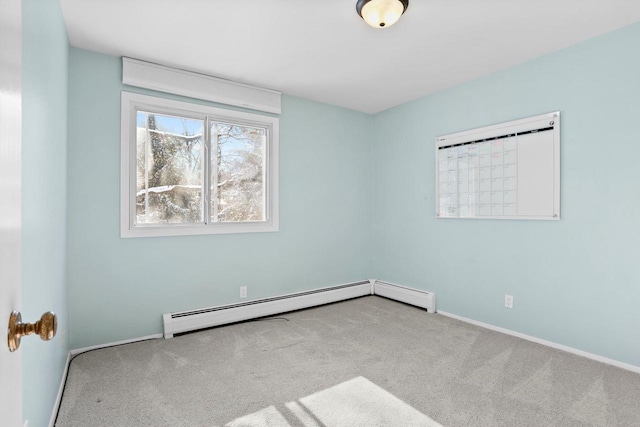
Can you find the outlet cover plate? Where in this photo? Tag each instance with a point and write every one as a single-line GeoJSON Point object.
{"type": "Point", "coordinates": [508, 301]}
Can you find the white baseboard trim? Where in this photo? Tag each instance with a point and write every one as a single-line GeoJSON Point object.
{"type": "Point", "coordinates": [111, 344]}
{"type": "Point", "coordinates": [63, 380]}
{"type": "Point", "coordinates": [551, 344]}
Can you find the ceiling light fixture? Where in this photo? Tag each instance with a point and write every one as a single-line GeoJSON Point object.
{"type": "Point", "coordinates": [381, 13]}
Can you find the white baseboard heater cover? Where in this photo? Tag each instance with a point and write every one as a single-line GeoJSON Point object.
{"type": "Point", "coordinates": [185, 321]}
{"type": "Point", "coordinates": [407, 295]}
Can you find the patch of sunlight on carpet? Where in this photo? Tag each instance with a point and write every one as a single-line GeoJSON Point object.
{"type": "Point", "coordinates": [357, 402]}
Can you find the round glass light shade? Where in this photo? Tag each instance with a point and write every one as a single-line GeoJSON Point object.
{"type": "Point", "coordinates": [382, 13]}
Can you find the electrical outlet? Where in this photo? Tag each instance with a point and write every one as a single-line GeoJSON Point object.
{"type": "Point", "coordinates": [243, 291]}
{"type": "Point", "coordinates": [508, 301]}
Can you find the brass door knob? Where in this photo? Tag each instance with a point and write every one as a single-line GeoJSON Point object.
{"type": "Point", "coordinates": [45, 327]}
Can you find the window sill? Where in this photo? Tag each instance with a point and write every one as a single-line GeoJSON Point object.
{"type": "Point", "coordinates": [162, 230]}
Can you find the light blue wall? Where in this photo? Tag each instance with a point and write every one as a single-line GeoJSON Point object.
{"type": "Point", "coordinates": [119, 288]}
{"type": "Point", "coordinates": [575, 281]}
{"type": "Point", "coordinates": [44, 194]}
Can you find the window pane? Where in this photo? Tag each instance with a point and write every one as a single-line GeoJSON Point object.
{"type": "Point", "coordinates": [237, 173]}
{"type": "Point", "coordinates": [169, 169]}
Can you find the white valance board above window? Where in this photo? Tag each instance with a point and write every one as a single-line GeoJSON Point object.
{"type": "Point", "coordinates": [199, 86]}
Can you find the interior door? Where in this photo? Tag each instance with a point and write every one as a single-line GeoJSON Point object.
{"type": "Point", "coordinates": [10, 200]}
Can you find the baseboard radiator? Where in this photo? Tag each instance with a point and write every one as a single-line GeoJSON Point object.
{"type": "Point", "coordinates": [186, 321]}
{"type": "Point", "coordinates": [426, 300]}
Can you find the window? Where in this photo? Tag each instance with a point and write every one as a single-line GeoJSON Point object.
{"type": "Point", "coordinates": [192, 169]}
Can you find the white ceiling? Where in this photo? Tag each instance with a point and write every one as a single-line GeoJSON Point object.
{"type": "Point", "coordinates": [322, 50]}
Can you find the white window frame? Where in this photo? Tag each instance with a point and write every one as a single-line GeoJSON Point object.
{"type": "Point", "coordinates": [131, 103]}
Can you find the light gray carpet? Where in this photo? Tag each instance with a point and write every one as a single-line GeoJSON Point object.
{"type": "Point", "coordinates": [368, 361]}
